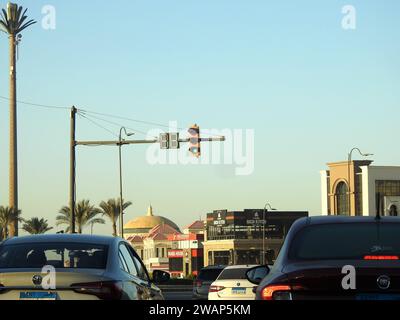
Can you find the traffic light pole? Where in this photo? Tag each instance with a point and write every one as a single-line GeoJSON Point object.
{"type": "Point", "coordinates": [125, 142]}
{"type": "Point", "coordinates": [119, 143]}
{"type": "Point", "coordinates": [72, 174]}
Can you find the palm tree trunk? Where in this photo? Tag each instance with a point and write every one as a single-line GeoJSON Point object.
{"type": "Point", "coordinates": [13, 136]}
{"type": "Point", "coordinates": [114, 226]}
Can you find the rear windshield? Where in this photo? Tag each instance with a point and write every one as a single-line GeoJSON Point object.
{"type": "Point", "coordinates": [346, 241]}
{"type": "Point", "coordinates": [58, 255]}
{"type": "Point", "coordinates": [209, 274]}
{"type": "Point", "coordinates": [233, 274]}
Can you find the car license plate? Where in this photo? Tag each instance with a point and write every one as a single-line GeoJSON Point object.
{"type": "Point", "coordinates": [38, 296]}
{"type": "Point", "coordinates": [379, 297]}
{"type": "Point", "coordinates": [239, 291]}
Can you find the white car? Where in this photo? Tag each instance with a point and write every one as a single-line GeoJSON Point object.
{"type": "Point", "coordinates": [232, 284]}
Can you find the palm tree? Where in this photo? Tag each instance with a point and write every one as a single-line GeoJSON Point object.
{"type": "Point", "coordinates": [111, 210]}
{"type": "Point", "coordinates": [36, 226]}
{"type": "Point", "coordinates": [13, 22]}
{"type": "Point", "coordinates": [7, 217]}
{"type": "Point", "coordinates": [85, 214]}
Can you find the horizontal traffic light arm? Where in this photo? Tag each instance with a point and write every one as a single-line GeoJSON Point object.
{"type": "Point", "coordinates": [126, 142]}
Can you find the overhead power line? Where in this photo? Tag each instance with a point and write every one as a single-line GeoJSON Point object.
{"type": "Point", "coordinates": [97, 124]}
{"type": "Point", "coordinates": [119, 125]}
{"type": "Point", "coordinates": [94, 113]}
{"type": "Point", "coordinates": [37, 105]}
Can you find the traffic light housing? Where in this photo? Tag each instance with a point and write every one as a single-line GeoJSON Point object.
{"type": "Point", "coordinates": [194, 140]}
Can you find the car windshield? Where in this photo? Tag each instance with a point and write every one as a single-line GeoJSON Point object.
{"type": "Point", "coordinates": [233, 274]}
{"type": "Point", "coordinates": [350, 241]}
{"type": "Point", "coordinates": [58, 255]}
{"type": "Point", "coordinates": [209, 275]}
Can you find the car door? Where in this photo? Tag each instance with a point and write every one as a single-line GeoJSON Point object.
{"type": "Point", "coordinates": [129, 266]}
{"type": "Point", "coordinates": [154, 291]}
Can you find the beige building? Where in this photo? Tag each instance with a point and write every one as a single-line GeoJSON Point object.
{"type": "Point", "coordinates": [142, 225]}
{"type": "Point", "coordinates": [358, 188]}
{"type": "Point", "coordinates": [149, 235]}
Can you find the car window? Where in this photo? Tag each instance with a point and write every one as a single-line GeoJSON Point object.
{"type": "Point", "coordinates": [142, 273]}
{"type": "Point", "coordinates": [345, 241]}
{"type": "Point", "coordinates": [122, 263]}
{"type": "Point", "coordinates": [209, 274]}
{"type": "Point", "coordinates": [233, 274]}
{"type": "Point", "coordinates": [57, 254]}
{"type": "Point", "coordinates": [126, 256]}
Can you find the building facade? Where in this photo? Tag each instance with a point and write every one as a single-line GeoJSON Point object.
{"type": "Point", "coordinates": [186, 257]}
{"type": "Point", "coordinates": [358, 188]}
{"type": "Point", "coordinates": [236, 237]}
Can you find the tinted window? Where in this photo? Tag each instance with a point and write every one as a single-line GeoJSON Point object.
{"type": "Point", "coordinates": [59, 255]}
{"type": "Point", "coordinates": [209, 274]}
{"type": "Point", "coordinates": [127, 258]}
{"type": "Point", "coordinates": [346, 241]}
{"type": "Point", "coordinates": [229, 274]}
{"type": "Point", "coordinates": [141, 269]}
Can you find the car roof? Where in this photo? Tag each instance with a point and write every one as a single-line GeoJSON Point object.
{"type": "Point", "coordinates": [76, 238]}
{"type": "Point", "coordinates": [213, 268]}
{"type": "Point", "coordinates": [346, 219]}
{"type": "Point", "coordinates": [243, 266]}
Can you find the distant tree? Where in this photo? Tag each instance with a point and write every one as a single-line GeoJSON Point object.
{"type": "Point", "coordinates": [8, 216]}
{"type": "Point", "coordinates": [13, 21]}
{"type": "Point", "coordinates": [110, 209]}
{"type": "Point", "coordinates": [36, 226]}
{"type": "Point", "coordinates": [85, 214]}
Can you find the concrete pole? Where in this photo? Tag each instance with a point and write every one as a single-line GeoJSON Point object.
{"type": "Point", "coordinates": [72, 184]}
{"type": "Point", "coordinates": [13, 200]}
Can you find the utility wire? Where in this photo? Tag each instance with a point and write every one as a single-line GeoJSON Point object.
{"type": "Point", "coordinates": [115, 124]}
{"type": "Point", "coordinates": [97, 125]}
{"type": "Point", "coordinates": [88, 112]}
{"type": "Point", "coordinates": [37, 105]}
{"type": "Point", "coordinates": [139, 121]}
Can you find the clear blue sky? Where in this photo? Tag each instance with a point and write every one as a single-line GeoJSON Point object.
{"type": "Point", "coordinates": [309, 89]}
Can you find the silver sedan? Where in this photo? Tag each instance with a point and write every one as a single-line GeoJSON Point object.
{"type": "Point", "coordinates": [74, 267]}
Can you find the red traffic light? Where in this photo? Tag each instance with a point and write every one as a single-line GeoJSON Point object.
{"type": "Point", "coordinates": [194, 140]}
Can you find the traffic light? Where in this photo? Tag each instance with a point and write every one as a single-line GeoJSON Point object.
{"type": "Point", "coordinates": [164, 141]}
{"type": "Point", "coordinates": [174, 140]}
{"type": "Point", "coordinates": [194, 140]}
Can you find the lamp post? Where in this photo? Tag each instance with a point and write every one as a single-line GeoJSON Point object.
{"type": "Point", "coordinates": [348, 172]}
{"type": "Point", "coordinates": [264, 223]}
{"type": "Point", "coordinates": [121, 214]}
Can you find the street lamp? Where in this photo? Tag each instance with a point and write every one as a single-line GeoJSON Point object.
{"type": "Point", "coordinates": [264, 223]}
{"type": "Point", "coordinates": [348, 172]}
{"type": "Point", "coordinates": [121, 214]}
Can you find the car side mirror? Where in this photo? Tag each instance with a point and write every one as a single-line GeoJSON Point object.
{"type": "Point", "coordinates": [257, 274]}
{"type": "Point", "coordinates": [160, 276]}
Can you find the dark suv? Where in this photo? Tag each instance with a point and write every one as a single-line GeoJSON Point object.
{"type": "Point", "coordinates": [339, 258]}
{"type": "Point", "coordinates": [202, 283]}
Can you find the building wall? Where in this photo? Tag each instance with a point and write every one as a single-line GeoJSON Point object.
{"type": "Point", "coordinates": [324, 192]}
{"type": "Point", "coordinates": [238, 245]}
{"type": "Point", "coordinates": [349, 173]}
{"type": "Point", "coordinates": [370, 175]}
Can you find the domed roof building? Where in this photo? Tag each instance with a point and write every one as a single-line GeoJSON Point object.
{"type": "Point", "coordinates": [141, 226]}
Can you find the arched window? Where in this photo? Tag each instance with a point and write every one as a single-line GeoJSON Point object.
{"type": "Point", "coordinates": [342, 199]}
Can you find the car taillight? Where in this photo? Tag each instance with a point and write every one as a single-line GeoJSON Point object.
{"type": "Point", "coordinates": [381, 258]}
{"type": "Point", "coordinates": [276, 292]}
{"type": "Point", "coordinates": [216, 288]}
{"type": "Point", "coordinates": [105, 290]}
